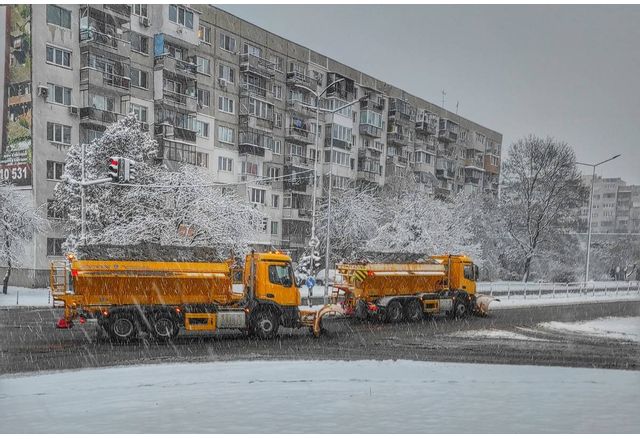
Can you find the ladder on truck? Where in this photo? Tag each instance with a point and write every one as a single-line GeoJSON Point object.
{"type": "Point", "coordinates": [58, 280]}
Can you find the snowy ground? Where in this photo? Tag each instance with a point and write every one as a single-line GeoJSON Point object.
{"type": "Point", "coordinates": [625, 328]}
{"type": "Point", "coordinates": [20, 296]}
{"type": "Point", "coordinates": [322, 397]}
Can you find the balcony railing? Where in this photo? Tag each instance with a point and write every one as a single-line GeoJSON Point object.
{"type": "Point", "coordinates": [304, 107]}
{"type": "Point", "coordinates": [188, 102]}
{"type": "Point", "coordinates": [370, 130]}
{"type": "Point", "coordinates": [299, 161]}
{"type": "Point", "coordinates": [247, 89]}
{"type": "Point", "coordinates": [122, 47]}
{"type": "Point", "coordinates": [178, 66]}
{"type": "Point", "coordinates": [95, 77]}
{"type": "Point", "coordinates": [427, 126]}
{"type": "Point", "coordinates": [398, 138]}
{"type": "Point", "coordinates": [447, 136]}
{"type": "Point", "coordinates": [97, 115]}
{"type": "Point", "coordinates": [297, 78]}
{"type": "Point", "coordinates": [254, 64]}
{"type": "Point", "coordinates": [474, 163]}
{"type": "Point", "coordinates": [299, 135]}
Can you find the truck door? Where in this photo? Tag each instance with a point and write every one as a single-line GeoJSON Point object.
{"type": "Point", "coordinates": [279, 285]}
{"type": "Point", "coordinates": [470, 272]}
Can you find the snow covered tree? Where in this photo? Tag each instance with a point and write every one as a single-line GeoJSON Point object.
{"type": "Point", "coordinates": [181, 207]}
{"type": "Point", "coordinates": [541, 187]}
{"type": "Point", "coordinates": [355, 217]}
{"type": "Point", "coordinates": [19, 221]}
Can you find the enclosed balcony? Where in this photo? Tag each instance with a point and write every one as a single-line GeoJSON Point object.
{"type": "Point", "coordinates": [398, 138]}
{"type": "Point", "coordinates": [474, 163]}
{"type": "Point", "coordinates": [90, 76]}
{"type": "Point", "coordinates": [427, 123]}
{"type": "Point", "coordinates": [345, 89]}
{"type": "Point", "coordinates": [301, 79]}
{"type": "Point", "coordinates": [255, 65]}
{"type": "Point", "coordinates": [448, 131]}
{"type": "Point", "coordinates": [90, 115]}
{"type": "Point", "coordinates": [372, 100]}
{"type": "Point", "coordinates": [370, 130]}
{"type": "Point", "coordinates": [400, 109]}
{"type": "Point", "coordinates": [299, 135]}
{"type": "Point", "coordinates": [255, 143]}
{"type": "Point", "coordinates": [178, 67]}
{"type": "Point", "coordinates": [297, 161]}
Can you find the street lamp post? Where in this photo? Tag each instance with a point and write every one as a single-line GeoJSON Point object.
{"type": "Point", "coordinates": [593, 178]}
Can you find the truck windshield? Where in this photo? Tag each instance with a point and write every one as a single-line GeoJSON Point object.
{"type": "Point", "coordinates": [280, 275]}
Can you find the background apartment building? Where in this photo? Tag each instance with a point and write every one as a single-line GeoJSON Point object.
{"type": "Point", "coordinates": [218, 92]}
{"type": "Point", "coordinates": [616, 206]}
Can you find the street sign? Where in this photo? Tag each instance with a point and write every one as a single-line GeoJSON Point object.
{"type": "Point", "coordinates": [311, 282]}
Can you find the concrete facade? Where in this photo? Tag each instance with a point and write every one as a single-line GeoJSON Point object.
{"type": "Point", "coordinates": [616, 206]}
{"type": "Point", "coordinates": [221, 93]}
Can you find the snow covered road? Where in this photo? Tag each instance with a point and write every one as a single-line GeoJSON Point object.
{"type": "Point", "coordinates": [323, 397]}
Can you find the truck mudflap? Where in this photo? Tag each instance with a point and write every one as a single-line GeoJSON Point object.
{"type": "Point", "coordinates": [313, 318]}
{"type": "Point", "coordinates": [482, 304]}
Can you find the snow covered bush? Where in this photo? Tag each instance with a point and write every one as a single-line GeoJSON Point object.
{"type": "Point", "coordinates": [181, 207]}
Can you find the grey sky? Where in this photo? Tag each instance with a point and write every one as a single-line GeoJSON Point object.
{"type": "Point", "coordinates": [572, 72]}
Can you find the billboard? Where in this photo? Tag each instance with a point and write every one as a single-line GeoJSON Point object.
{"type": "Point", "coordinates": [16, 149]}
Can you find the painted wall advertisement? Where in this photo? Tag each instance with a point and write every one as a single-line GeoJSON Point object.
{"type": "Point", "coordinates": [16, 150]}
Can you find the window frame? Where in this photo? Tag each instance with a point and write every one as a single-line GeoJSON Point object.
{"type": "Point", "coordinates": [53, 61]}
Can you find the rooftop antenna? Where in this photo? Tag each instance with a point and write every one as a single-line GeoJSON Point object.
{"type": "Point", "coordinates": [444, 93]}
{"type": "Point", "coordinates": [457, 104]}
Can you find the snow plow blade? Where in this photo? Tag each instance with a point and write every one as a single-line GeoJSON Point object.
{"type": "Point", "coordinates": [313, 319]}
{"type": "Point", "coordinates": [482, 304]}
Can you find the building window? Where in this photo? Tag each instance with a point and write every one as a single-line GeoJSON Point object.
{"type": "Point", "coordinates": [58, 16]}
{"type": "Point", "coordinates": [275, 200]}
{"type": "Point", "coordinates": [54, 246]}
{"type": "Point", "coordinates": [274, 227]}
{"type": "Point", "coordinates": [139, 42]}
{"type": "Point", "coordinates": [276, 90]}
{"type": "Point", "coordinates": [139, 78]}
{"type": "Point", "coordinates": [204, 65]}
{"type": "Point", "coordinates": [227, 43]}
{"type": "Point", "coordinates": [278, 120]}
{"type": "Point", "coordinates": [92, 135]}
{"type": "Point", "coordinates": [103, 103]}
{"type": "Point", "coordinates": [277, 146]}
{"type": "Point", "coordinates": [227, 73]}
{"type": "Point", "coordinates": [59, 57]}
{"type": "Point", "coordinates": [261, 109]}
{"type": "Point", "coordinates": [252, 50]}
{"type": "Point", "coordinates": [257, 195]}
{"type": "Point", "coordinates": [277, 62]}
{"type": "Point", "coordinates": [202, 129]}
{"type": "Point", "coordinates": [140, 10]}
{"type": "Point", "coordinates": [59, 95]}
{"type": "Point", "coordinates": [53, 211]}
{"type": "Point", "coordinates": [180, 15]}
{"type": "Point", "coordinates": [204, 98]}
{"type": "Point", "coordinates": [204, 33]}
{"type": "Point", "coordinates": [202, 159]}
{"type": "Point", "coordinates": [225, 164]}
{"type": "Point", "coordinates": [55, 170]}
{"type": "Point", "coordinates": [58, 133]}
{"type": "Point", "coordinates": [225, 134]}
{"type": "Point", "coordinates": [139, 111]}
{"type": "Point", "coordinates": [225, 104]}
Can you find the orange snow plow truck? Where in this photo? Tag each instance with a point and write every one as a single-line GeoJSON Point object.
{"type": "Point", "coordinates": [409, 291]}
{"type": "Point", "coordinates": [160, 298]}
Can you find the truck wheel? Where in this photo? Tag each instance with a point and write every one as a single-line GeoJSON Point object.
{"type": "Point", "coordinates": [121, 327]}
{"type": "Point", "coordinates": [460, 309]}
{"type": "Point", "coordinates": [164, 326]}
{"type": "Point", "coordinates": [393, 312]}
{"type": "Point", "coordinates": [265, 324]}
{"type": "Point", "coordinates": [413, 311]}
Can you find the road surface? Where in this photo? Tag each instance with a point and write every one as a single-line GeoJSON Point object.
{"type": "Point", "coordinates": [29, 342]}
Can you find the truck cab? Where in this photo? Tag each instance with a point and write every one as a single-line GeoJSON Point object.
{"type": "Point", "coordinates": [269, 277]}
{"type": "Point", "coordinates": [462, 272]}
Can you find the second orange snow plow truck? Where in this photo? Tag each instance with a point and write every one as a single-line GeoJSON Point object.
{"type": "Point", "coordinates": [162, 297]}
{"type": "Point", "coordinates": [407, 291]}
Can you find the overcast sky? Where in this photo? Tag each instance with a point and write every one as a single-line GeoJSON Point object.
{"type": "Point", "coordinates": [572, 72]}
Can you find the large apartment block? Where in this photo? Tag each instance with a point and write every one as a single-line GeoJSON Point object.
{"type": "Point", "coordinates": [616, 206]}
{"type": "Point", "coordinates": [220, 93]}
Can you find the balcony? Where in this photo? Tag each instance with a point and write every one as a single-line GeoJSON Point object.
{"type": "Point", "coordinates": [297, 78]}
{"type": "Point", "coordinates": [122, 10]}
{"type": "Point", "coordinates": [108, 42]}
{"type": "Point", "coordinates": [337, 143]}
{"type": "Point", "coordinates": [369, 176]}
{"type": "Point", "coordinates": [428, 124]}
{"type": "Point", "coordinates": [302, 107]}
{"type": "Point", "coordinates": [299, 161]}
{"type": "Point", "coordinates": [257, 66]}
{"type": "Point", "coordinates": [474, 163]}
{"type": "Point", "coordinates": [370, 130]}
{"type": "Point", "coordinates": [252, 90]}
{"type": "Point", "coordinates": [250, 121]}
{"type": "Point", "coordinates": [345, 89]}
{"type": "Point", "coordinates": [447, 136]}
{"type": "Point", "coordinates": [91, 76]}
{"type": "Point", "coordinates": [423, 167]}
{"type": "Point", "coordinates": [177, 151]}
{"type": "Point", "coordinates": [372, 101]}
{"type": "Point", "coordinates": [187, 103]}
{"type": "Point", "coordinates": [177, 66]}
{"type": "Point", "coordinates": [101, 117]}
{"type": "Point", "coordinates": [298, 135]}
{"type": "Point", "coordinates": [401, 110]}
{"type": "Point", "coordinates": [255, 143]}
{"type": "Point", "coordinates": [399, 160]}
{"type": "Point", "coordinates": [398, 138]}
{"type": "Point", "coordinates": [426, 145]}
{"type": "Point", "coordinates": [292, 213]}
{"type": "Point", "coordinates": [489, 166]}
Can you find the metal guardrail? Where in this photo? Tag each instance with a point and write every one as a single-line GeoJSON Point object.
{"type": "Point", "coordinates": [539, 289]}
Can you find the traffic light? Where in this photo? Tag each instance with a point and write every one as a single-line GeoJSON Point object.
{"type": "Point", "coordinates": [128, 170]}
{"type": "Point", "coordinates": [114, 168]}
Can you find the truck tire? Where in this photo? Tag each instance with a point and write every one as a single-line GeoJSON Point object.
{"type": "Point", "coordinates": [265, 324]}
{"type": "Point", "coordinates": [163, 326]}
{"type": "Point", "coordinates": [393, 312]}
{"type": "Point", "coordinates": [413, 310]}
{"type": "Point", "coordinates": [460, 308]}
{"type": "Point", "coordinates": [121, 327]}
